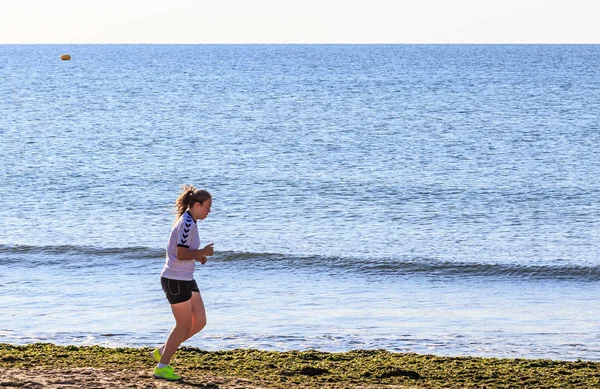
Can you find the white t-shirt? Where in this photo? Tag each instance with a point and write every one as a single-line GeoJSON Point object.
{"type": "Point", "coordinates": [183, 234]}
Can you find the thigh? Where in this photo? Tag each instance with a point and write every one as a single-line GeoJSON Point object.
{"type": "Point", "coordinates": [183, 312]}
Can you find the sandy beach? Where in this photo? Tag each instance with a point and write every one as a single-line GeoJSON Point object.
{"type": "Point", "coordinates": [130, 378]}
{"type": "Point", "coordinates": [104, 378]}
{"type": "Point", "coordinates": [50, 366]}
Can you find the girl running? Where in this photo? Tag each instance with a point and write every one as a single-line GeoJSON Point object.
{"type": "Point", "coordinates": [177, 276]}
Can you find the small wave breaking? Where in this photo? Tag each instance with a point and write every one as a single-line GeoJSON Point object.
{"type": "Point", "coordinates": [72, 250]}
{"type": "Point", "coordinates": [387, 267]}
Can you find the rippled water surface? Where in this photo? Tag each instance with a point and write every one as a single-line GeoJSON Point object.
{"type": "Point", "coordinates": [438, 199]}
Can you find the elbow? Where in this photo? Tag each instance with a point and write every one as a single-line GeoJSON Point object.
{"type": "Point", "coordinates": [182, 254]}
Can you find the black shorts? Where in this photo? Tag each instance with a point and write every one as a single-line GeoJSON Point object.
{"type": "Point", "coordinates": [178, 291]}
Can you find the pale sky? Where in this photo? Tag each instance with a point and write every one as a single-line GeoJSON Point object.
{"type": "Point", "coordinates": [299, 21]}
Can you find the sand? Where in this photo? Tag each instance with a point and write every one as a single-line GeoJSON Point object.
{"type": "Point", "coordinates": [103, 378]}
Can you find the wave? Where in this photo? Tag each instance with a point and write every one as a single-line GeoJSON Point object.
{"type": "Point", "coordinates": [122, 252]}
{"type": "Point", "coordinates": [421, 266]}
{"type": "Point", "coordinates": [393, 267]}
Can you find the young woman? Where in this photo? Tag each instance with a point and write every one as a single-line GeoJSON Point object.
{"type": "Point", "coordinates": [177, 276]}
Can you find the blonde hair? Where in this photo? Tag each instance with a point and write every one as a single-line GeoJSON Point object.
{"type": "Point", "coordinates": [188, 197]}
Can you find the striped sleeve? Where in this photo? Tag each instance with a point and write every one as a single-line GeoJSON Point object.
{"type": "Point", "coordinates": [183, 238]}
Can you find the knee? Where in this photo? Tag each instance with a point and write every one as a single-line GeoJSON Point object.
{"type": "Point", "coordinates": [184, 326]}
{"type": "Point", "coordinates": [201, 323]}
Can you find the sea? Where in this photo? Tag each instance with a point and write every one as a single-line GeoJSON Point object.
{"type": "Point", "coordinates": [431, 199]}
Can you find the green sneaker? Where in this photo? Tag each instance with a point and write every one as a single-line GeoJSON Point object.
{"type": "Point", "coordinates": [156, 355]}
{"type": "Point", "coordinates": [166, 373]}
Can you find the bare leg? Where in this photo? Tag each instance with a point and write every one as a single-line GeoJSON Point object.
{"type": "Point", "coordinates": [198, 315]}
{"type": "Point", "coordinates": [198, 322]}
{"type": "Point", "coordinates": [183, 325]}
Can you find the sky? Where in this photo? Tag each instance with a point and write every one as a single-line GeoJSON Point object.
{"type": "Point", "coordinates": [299, 21]}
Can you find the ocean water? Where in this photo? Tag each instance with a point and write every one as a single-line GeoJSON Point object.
{"type": "Point", "coordinates": [437, 199]}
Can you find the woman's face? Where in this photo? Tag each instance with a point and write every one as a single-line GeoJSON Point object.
{"type": "Point", "coordinates": [201, 211]}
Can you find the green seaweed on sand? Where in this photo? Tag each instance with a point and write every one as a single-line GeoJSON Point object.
{"type": "Point", "coordinates": [315, 369]}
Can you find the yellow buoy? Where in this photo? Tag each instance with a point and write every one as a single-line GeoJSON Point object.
{"type": "Point", "coordinates": [65, 57]}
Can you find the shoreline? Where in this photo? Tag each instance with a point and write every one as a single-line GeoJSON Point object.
{"type": "Point", "coordinates": [46, 365]}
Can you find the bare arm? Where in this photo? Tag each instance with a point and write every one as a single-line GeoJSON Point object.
{"type": "Point", "coordinates": [185, 254]}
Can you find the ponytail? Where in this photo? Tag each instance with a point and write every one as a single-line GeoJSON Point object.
{"type": "Point", "coordinates": [188, 197]}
